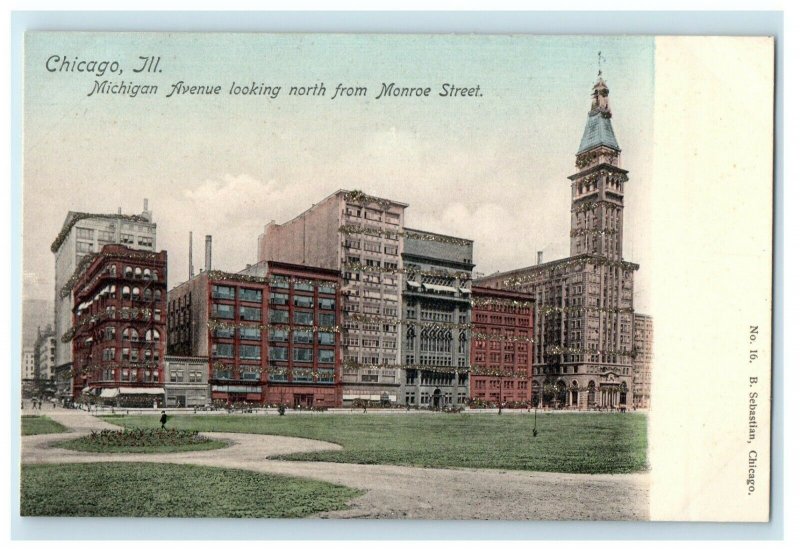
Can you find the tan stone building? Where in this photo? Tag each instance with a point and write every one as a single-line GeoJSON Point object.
{"type": "Point", "coordinates": [642, 359]}
{"type": "Point", "coordinates": [360, 236]}
{"type": "Point", "coordinates": [583, 325]}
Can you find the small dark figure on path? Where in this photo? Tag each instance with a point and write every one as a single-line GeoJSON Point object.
{"type": "Point", "coordinates": [163, 419]}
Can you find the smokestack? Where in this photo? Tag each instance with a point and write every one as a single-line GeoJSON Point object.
{"type": "Point", "coordinates": [539, 256]}
{"type": "Point", "coordinates": [145, 204]}
{"type": "Point", "coordinates": [119, 210]}
{"type": "Point", "coordinates": [191, 266]}
{"type": "Point", "coordinates": [208, 253]}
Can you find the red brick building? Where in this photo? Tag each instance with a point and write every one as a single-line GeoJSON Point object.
{"type": "Point", "coordinates": [270, 333]}
{"type": "Point", "coordinates": [502, 345]}
{"type": "Point", "coordinates": [119, 325]}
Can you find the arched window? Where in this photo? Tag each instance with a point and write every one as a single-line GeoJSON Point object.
{"type": "Point", "coordinates": [112, 270]}
{"type": "Point", "coordinates": [128, 271]}
{"type": "Point", "coordinates": [130, 334]}
{"type": "Point", "coordinates": [148, 355]}
{"type": "Point", "coordinates": [126, 292]}
{"type": "Point", "coordinates": [137, 293]}
{"type": "Point", "coordinates": [157, 294]}
{"type": "Point", "coordinates": [623, 394]}
{"type": "Point", "coordinates": [155, 275]}
{"type": "Point", "coordinates": [147, 274]}
{"type": "Point", "coordinates": [152, 335]}
{"type": "Point", "coordinates": [148, 295]}
{"type": "Point", "coordinates": [137, 272]}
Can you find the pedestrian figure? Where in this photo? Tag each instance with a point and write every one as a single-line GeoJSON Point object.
{"type": "Point", "coordinates": [163, 419]}
{"type": "Point", "coordinates": [365, 408]}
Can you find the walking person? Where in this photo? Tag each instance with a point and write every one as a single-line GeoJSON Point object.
{"type": "Point", "coordinates": [163, 419]}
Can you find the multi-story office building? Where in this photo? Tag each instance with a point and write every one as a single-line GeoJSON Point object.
{"type": "Point", "coordinates": [361, 238]}
{"type": "Point", "coordinates": [81, 235]}
{"type": "Point", "coordinates": [269, 333]}
{"type": "Point", "coordinates": [44, 360]}
{"type": "Point", "coordinates": [642, 359]}
{"type": "Point", "coordinates": [584, 303]}
{"type": "Point", "coordinates": [435, 319]}
{"type": "Point", "coordinates": [28, 363]}
{"type": "Point", "coordinates": [502, 347]}
{"type": "Point", "coordinates": [186, 381]}
{"type": "Point", "coordinates": [119, 326]}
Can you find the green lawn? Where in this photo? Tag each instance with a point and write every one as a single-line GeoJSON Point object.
{"type": "Point", "coordinates": [165, 490]}
{"type": "Point", "coordinates": [40, 424]}
{"type": "Point", "coordinates": [567, 442]}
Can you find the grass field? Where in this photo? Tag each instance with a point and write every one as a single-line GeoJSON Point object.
{"type": "Point", "coordinates": [165, 490]}
{"type": "Point", "coordinates": [567, 442]}
{"type": "Point", "coordinates": [40, 424]}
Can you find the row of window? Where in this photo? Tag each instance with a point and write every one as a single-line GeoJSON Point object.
{"type": "Point", "coordinates": [131, 354]}
{"type": "Point", "coordinates": [295, 375]}
{"type": "Point", "coordinates": [299, 336]}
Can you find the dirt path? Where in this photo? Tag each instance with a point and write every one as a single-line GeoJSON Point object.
{"type": "Point", "coordinates": [391, 491]}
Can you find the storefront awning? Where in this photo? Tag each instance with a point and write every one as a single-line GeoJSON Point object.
{"type": "Point", "coordinates": [236, 389]}
{"type": "Point", "coordinates": [439, 288]}
{"type": "Point", "coordinates": [134, 390]}
{"type": "Point", "coordinates": [109, 393]}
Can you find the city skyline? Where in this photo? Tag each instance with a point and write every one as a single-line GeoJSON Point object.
{"type": "Point", "coordinates": [493, 170]}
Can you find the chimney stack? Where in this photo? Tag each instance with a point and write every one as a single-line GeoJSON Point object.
{"type": "Point", "coordinates": [208, 253]}
{"type": "Point", "coordinates": [539, 256]}
{"type": "Point", "coordinates": [191, 266]}
{"type": "Point", "coordinates": [145, 204]}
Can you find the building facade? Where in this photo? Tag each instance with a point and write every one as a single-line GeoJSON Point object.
{"type": "Point", "coordinates": [81, 235]}
{"type": "Point", "coordinates": [502, 348]}
{"type": "Point", "coordinates": [361, 238]}
{"type": "Point", "coordinates": [642, 359]}
{"type": "Point", "coordinates": [270, 333]}
{"type": "Point", "coordinates": [582, 354]}
{"type": "Point", "coordinates": [119, 326]}
{"type": "Point", "coordinates": [44, 361]}
{"type": "Point", "coordinates": [186, 381]}
{"type": "Point", "coordinates": [28, 363]}
{"type": "Point", "coordinates": [435, 310]}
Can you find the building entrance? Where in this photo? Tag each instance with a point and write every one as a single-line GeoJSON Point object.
{"type": "Point", "coordinates": [437, 398]}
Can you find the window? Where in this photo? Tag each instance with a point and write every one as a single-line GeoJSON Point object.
{"type": "Point", "coordinates": [279, 316]}
{"type": "Point", "coordinates": [130, 334]}
{"type": "Point", "coordinates": [303, 337]}
{"type": "Point", "coordinates": [223, 292]}
{"type": "Point", "coordinates": [278, 298]}
{"type": "Point", "coordinates": [390, 249]}
{"type": "Point", "coordinates": [278, 376]}
{"type": "Point", "coordinates": [278, 353]}
{"type": "Point", "coordinates": [195, 376]}
{"type": "Point", "coordinates": [280, 282]}
{"type": "Point", "coordinates": [302, 301]}
{"type": "Point", "coordinates": [278, 335]}
{"type": "Point", "coordinates": [327, 303]}
{"type": "Point", "coordinates": [303, 354]}
{"type": "Point", "coordinates": [105, 236]}
{"type": "Point", "coordinates": [224, 311]}
{"type": "Point", "coordinates": [302, 375]}
{"type": "Point", "coordinates": [136, 294]}
{"type": "Point", "coordinates": [326, 356]}
{"type": "Point", "coordinates": [250, 314]}
{"type": "Point", "coordinates": [126, 354]}
{"type": "Point", "coordinates": [249, 352]}
{"type": "Point", "coordinates": [250, 295]}
{"type": "Point", "coordinates": [249, 373]}
{"type": "Point", "coordinates": [85, 233]}
{"type": "Point", "coordinates": [222, 350]}
{"type": "Point", "coordinates": [222, 373]}
{"type": "Point", "coordinates": [145, 241]}
{"type": "Point", "coordinates": [109, 333]}
{"type": "Point", "coordinates": [109, 354]}
{"type": "Point", "coordinates": [152, 335]}
{"type": "Point", "coordinates": [327, 288]}
{"type": "Point", "coordinates": [250, 333]}
{"type": "Point", "coordinates": [303, 318]}
{"type": "Point", "coordinates": [372, 246]}
{"type": "Point", "coordinates": [84, 247]}
{"type": "Point", "coordinates": [326, 338]}
{"type": "Point", "coordinates": [147, 274]}
{"type": "Point", "coordinates": [223, 332]}
{"type": "Point", "coordinates": [325, 375]}
{"type": "Point", "coordinates": [327, 320]}
{"type": "Point", "coordinates": [303, 286]}
{"type": "Point", "coordinates": [137, 272]}
{"type": "Point", "coordinates": [176, 376]}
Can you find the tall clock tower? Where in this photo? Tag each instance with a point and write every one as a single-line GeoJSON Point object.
{"type": "Point", "coordinates": [598, 188]}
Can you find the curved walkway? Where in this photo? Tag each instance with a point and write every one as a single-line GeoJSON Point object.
{"type": "Point", "coordinates": [391, 491]}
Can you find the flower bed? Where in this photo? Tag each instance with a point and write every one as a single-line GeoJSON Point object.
{"type": "Point", "coordinates": [149, 440]}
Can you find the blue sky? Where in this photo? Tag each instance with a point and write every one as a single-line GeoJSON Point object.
{"type": "Point", "coordinates": [492, 168]}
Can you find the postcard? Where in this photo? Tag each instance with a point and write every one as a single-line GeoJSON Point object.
{"type": "Point", "coordinates": [397, 276]}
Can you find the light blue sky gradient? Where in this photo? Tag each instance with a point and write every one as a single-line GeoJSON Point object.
{"type": "Point", "coordinates": [492, 168]}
